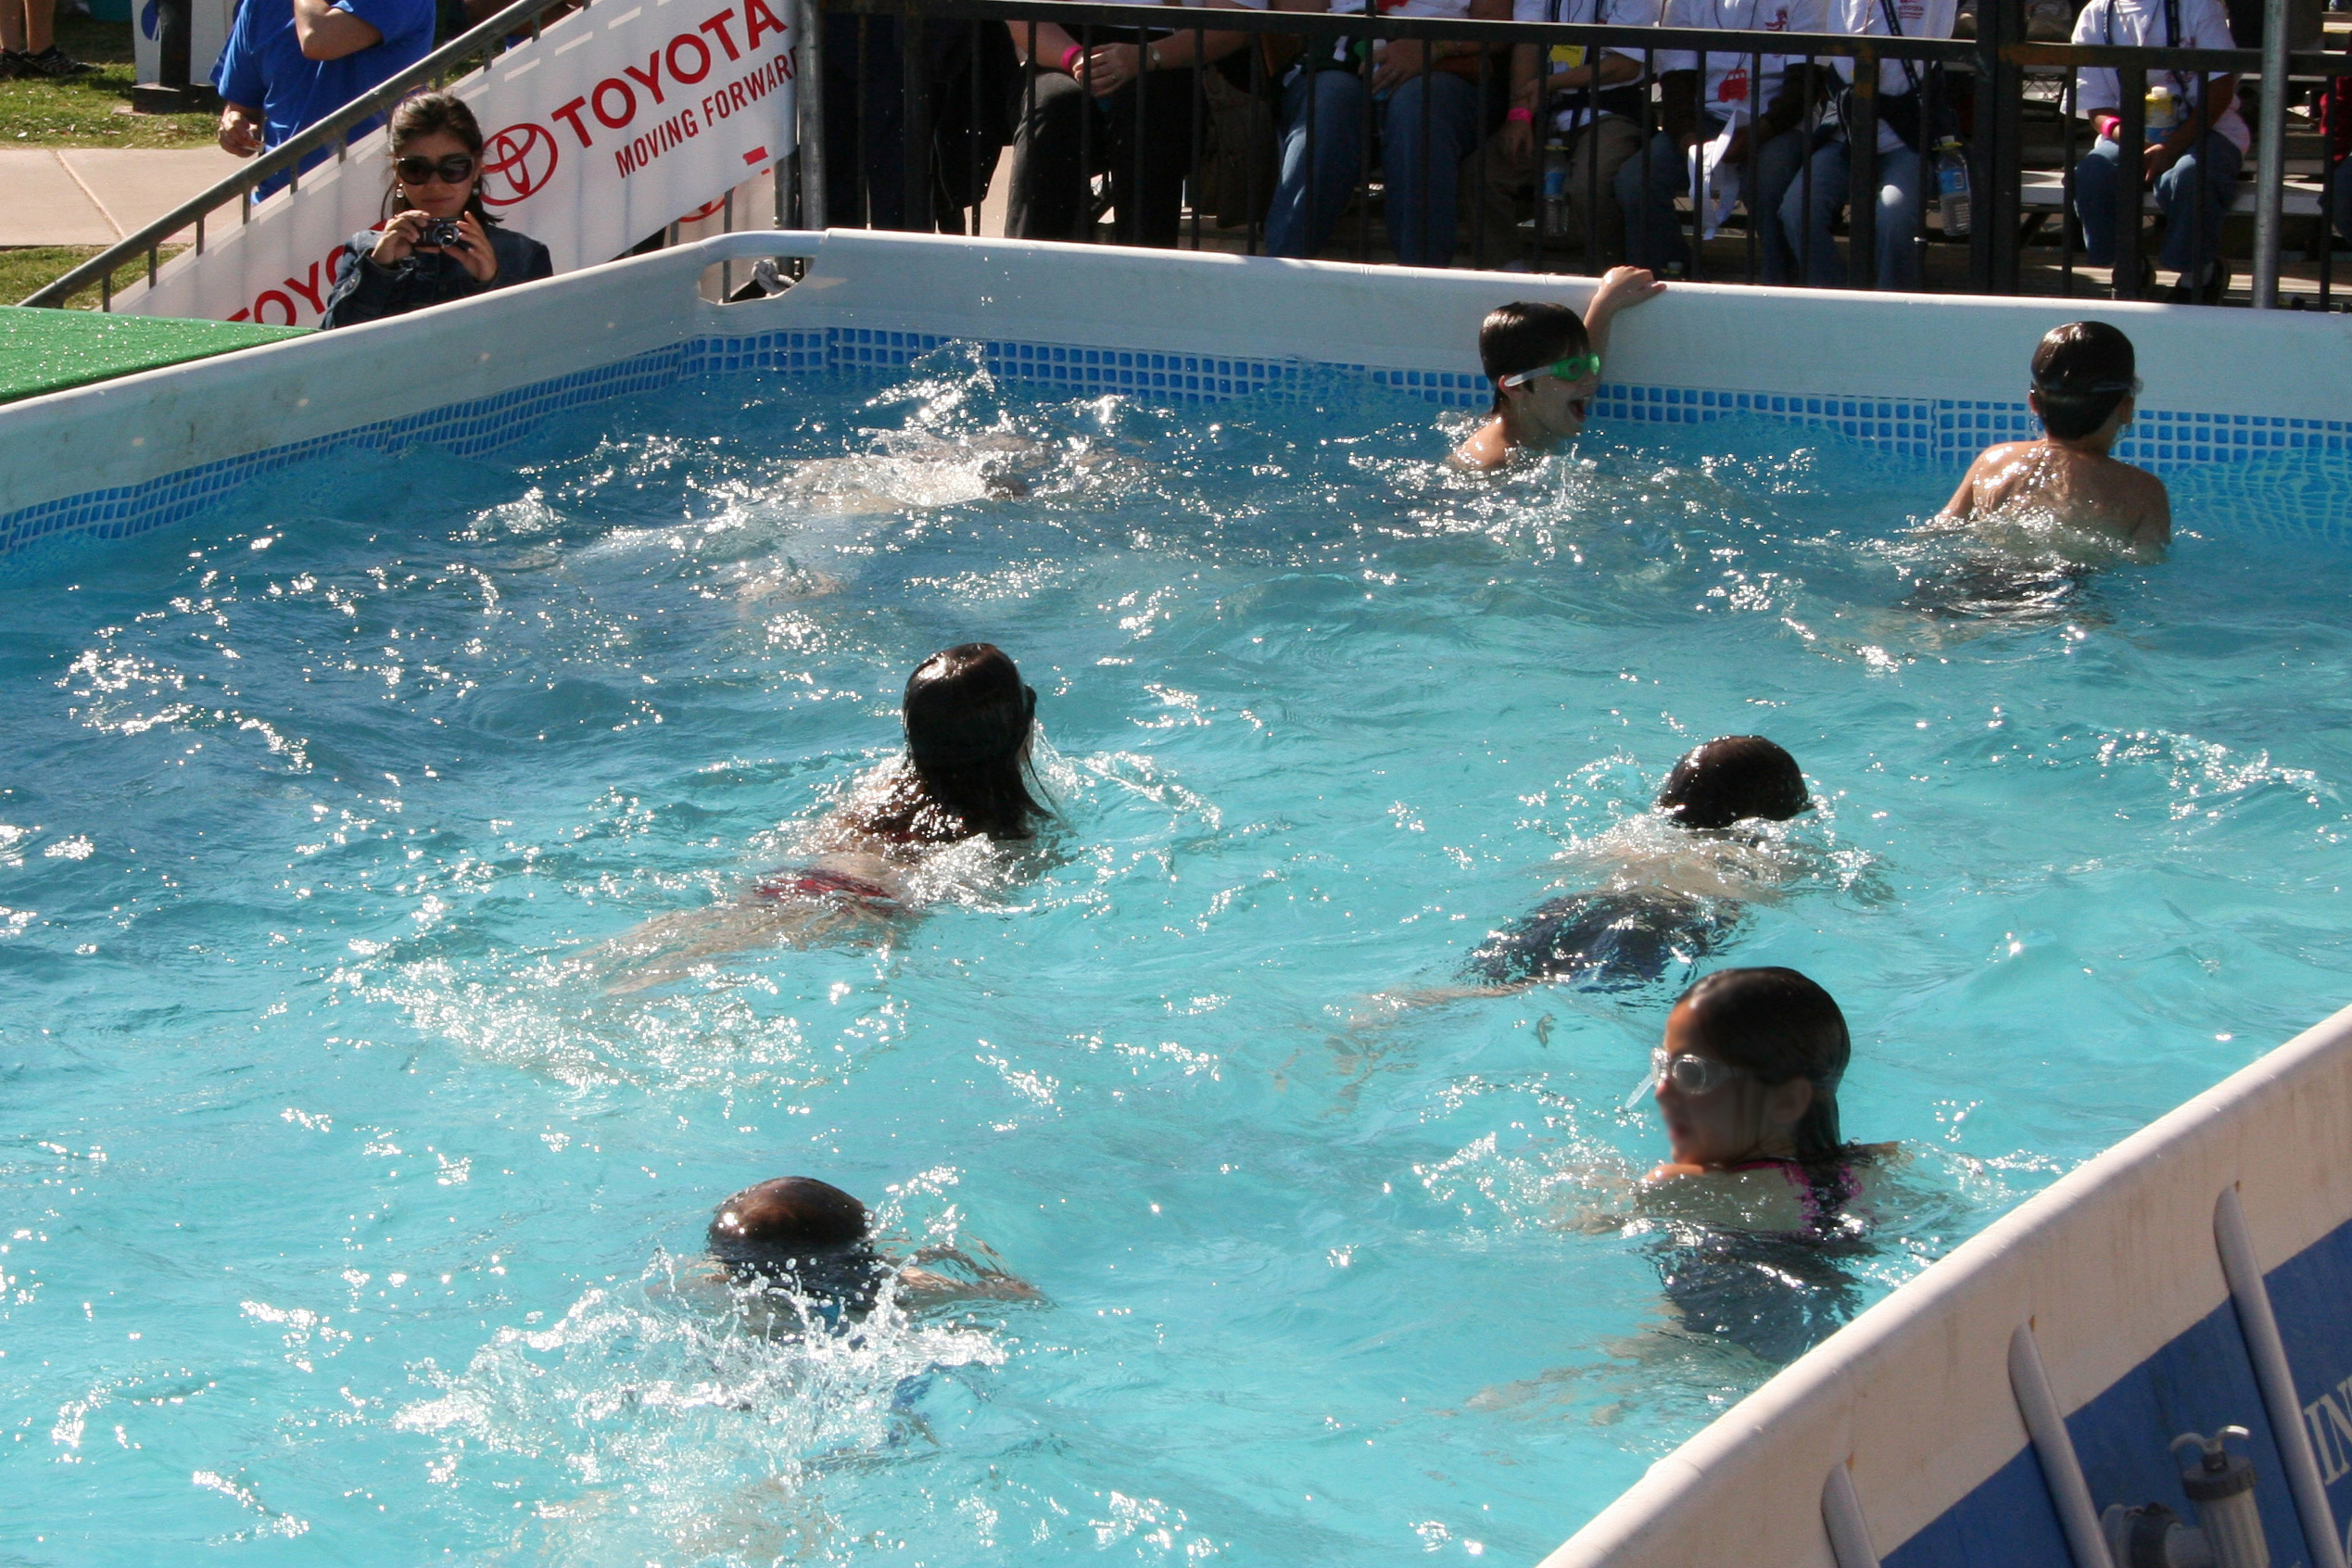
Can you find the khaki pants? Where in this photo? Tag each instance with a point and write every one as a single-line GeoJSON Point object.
{"type": "Point", "coordinates": [1490, 198]}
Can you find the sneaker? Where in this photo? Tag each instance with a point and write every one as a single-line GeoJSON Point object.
{"type": "Point", "coordinates": [2209, 292]}
{"type": "Point", "coordinates": [14, 63]}
{"type": "Point", "coordinates": [52, 61]}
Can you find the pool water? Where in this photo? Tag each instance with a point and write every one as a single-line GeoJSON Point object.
{"type": "Point", "coordinates": [353, 1194]}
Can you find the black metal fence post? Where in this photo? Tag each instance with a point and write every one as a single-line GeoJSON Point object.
{"type": "Point", "coordinates": [1861, 173]}
{"type": "Point", "coordinates": [2131, 87]}
{"type": "Point", "coordinates": [915, 73]}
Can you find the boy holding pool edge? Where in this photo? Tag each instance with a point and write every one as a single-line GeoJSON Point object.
{"type": "Point", "coordinates": [1545, 362]}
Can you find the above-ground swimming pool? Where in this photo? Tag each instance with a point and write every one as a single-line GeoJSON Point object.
{"type": "Point", "coordinates": [356, 1190]}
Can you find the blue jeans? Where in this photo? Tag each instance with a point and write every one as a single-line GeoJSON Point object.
{"type": "Point", "coordinates": [2190, 227]}
{"type": "Point", "coordinates": [1899, 176]}
{"type": "Point", "coordinates": [1423, 178]}
{"type": "Point", "coordinates": [1655, 236]}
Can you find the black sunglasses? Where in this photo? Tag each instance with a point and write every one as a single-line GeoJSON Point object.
{"type": "Point", "coordinates": [453, 169]}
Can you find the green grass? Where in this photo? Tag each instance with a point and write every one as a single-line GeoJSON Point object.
{"type": "Point", "coordinates": [92, 110]}
{"type": "Point", "coordinates": [22, 271]}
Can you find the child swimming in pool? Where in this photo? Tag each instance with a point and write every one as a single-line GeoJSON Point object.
{"type": "Point", "coordinates": [1545, 362]}
{"type": "Point", "coordinates": [1666, 907]}
{"type": "Point", "coordinates": [966, 776]}
{"type": "Point", "coordinates": [2085, 384]}
{"type": "Point", "coordinates": [794, 1241]}
{"type": "Point", "coordinates": [1746, 1080]}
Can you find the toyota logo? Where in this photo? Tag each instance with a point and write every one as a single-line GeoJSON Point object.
{"type": "Point", "coordinates": [517, 163]}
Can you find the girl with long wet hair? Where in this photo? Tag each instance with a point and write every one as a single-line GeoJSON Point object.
{"type": "Point", "coordinates": [966, 776]}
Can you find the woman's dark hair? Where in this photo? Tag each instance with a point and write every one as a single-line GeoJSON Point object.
{"type": "Point", "coordinates": [438, 114]}
{"type": "Point", "coordinates": [1778, 1025]}
{"type": "Point", "coordinates": [969, 719]}
{"type": "Point", "coordinates": [2080, 372]}
{"type": "Point", "coordinates": [799, 1232]}
{"type": "Point", "coordinates": [1523, 334]}
{"type": "Point", "coordinates": [1731, 778]}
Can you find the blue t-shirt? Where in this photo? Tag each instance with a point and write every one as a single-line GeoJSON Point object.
{"type": "Point", "coordinates": [263, 65]}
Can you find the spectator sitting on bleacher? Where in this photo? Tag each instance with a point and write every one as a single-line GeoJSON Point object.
{"type": "Point", "coordinates": [2192, 158]}
{"type": "Point", "coordinates": [2336, 144]}
{"type": "Point", "coordinates": [291, 63]}
{"type": "Point", "coordinates": [442, 246]}
{"type": "Point", "coordinates": [1421, 98]}
{"type": "Point", "coordinates": [1587, 100]}
{"type": "Point", "coordinates": [1906, 142]}
{"type": "Point", "coordinates": [1697, 112]}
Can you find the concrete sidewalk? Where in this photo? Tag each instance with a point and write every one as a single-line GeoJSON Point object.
{"type": "Point", "coordinates": [97, 196]}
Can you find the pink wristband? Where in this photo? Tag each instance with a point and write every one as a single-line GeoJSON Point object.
{"type": "Point", "coordinates": [1521, 117]}
{"type": "Point", "coordinates": [1071, 58]}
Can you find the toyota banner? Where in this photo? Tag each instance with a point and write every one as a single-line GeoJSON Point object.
{"type": "Point", "coordinates": [609, 126]}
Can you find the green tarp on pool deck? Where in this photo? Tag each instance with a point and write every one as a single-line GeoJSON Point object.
{"type": "Point", "coordinates": [50, 350]}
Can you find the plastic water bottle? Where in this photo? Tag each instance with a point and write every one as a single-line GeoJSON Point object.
{"type": "Point", "coordinates": [1952, 188]}
{"type": "Point", "coordinates": [1555, 219]}
{"type": "Point", "coordinates": [2163, 111]}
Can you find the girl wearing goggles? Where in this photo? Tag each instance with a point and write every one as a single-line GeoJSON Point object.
{"type": "Point", "coordinates": [1545, 362]}
{"type": "Point", "coordinates": [1746, 1081]}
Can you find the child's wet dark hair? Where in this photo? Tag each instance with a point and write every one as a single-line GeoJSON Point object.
{"type": "Point", "coordinates": [1778, 1025]}
{"type": "Point", "coordinates": [1731, 778]}
{"type": "Point", "coordinates": [969, 719]}
{"type": "Point", "coordinates": [2080, 372]}
{"type": "Point", "coordinates": [1523, 334]}
{"type": "Point", "coordinates": [799, 1232]}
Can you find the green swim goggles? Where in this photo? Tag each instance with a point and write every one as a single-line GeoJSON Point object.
{"type": "Point", "coordinates": [1574, 367]}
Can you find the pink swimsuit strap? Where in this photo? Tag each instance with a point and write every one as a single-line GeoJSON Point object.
{"type": "Point", "coordinates": [1819, 1196]}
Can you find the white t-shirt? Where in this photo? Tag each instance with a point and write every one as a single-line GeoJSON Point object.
{"type": "Point", "coordinates": [1568, 57]}
{"type": "Point", "coordinates": [1725, 94]}
{"type": "Point", "coordinates": [2203, 25]}
{"type": "Point", "coordinates": [1451, 9]}
{"type": "Point", "coordinates": [1920, 18]}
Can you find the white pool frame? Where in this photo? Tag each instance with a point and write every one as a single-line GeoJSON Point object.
{"type": "Point", "coordinates": [1902, 1437]}
{"type": "Point", "coordinates": [1930, 377]}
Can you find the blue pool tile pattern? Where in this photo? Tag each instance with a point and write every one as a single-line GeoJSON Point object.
{"type": "Point", "coordinates": [1943, 431]}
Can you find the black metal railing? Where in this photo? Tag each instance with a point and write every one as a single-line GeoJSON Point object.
{"type": "Point", "coordinates": [1117, 157]}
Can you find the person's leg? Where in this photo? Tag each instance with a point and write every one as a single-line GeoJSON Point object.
{"type": "Point", "coordinates": [1150, 217]}
{"type": "Point", "coordinates": [2095, 202]}
{"type": "Point", "coordinates": [1420, 174]}
{"type": "Point", "coordinates": [1901, 174]}
{"type": "Point", "coordinates": [1779, 164]}
{"type": "Point", "coordinates": [1647, 184]}
{"type": "Point", "coordinates": [1808, 228]}
{"type": "Point", "coordinates": [1042, 201]}
{"type": "Point", "coordinates": [1307, 202]}
{"type": "Point", "coordinates": [1493, 180]}
{"type": "Point", "coordinates": [2192, 213]}
{"type": "Point", "coordinates": [1594, 159]}
{"type": "Point", "coordinates": [2340, 198]}
{"type": "Point", "coordinates": [865, 132]}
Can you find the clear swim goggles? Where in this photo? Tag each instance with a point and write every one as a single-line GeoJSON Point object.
{"type": "Point", "coordinates": [1692, 1075]}
{"type": "Point", "coordinates": [1574, 367]}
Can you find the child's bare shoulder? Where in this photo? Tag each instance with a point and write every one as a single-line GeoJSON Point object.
{"type": "Point", "coordinates": [1484, 451]}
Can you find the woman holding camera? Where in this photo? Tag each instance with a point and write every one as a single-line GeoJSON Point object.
{"type": "Point", "coordinates": [441, 244]}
